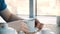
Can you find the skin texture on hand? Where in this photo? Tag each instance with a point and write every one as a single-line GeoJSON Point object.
{"type": "Point", "coordinates": [19, 26]}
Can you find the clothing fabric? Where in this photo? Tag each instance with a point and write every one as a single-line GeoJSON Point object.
{"type": "Point", "coordinates": [2, 5]}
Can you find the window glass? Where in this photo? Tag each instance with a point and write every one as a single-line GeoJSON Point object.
{"type": "Point", "coordinates": [18, 6]}
{"type": "Point", "coordinates": [46, 7]}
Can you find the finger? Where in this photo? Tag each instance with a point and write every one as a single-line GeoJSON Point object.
{"type": "Point", "coordinates": [24, 26]}
{"type": "Point", "coordinates": [25, 30]}
{"type": "Point", "coordinates": [40, 26]}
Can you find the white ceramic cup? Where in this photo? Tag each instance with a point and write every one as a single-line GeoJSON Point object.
{"type": "Point", "coordinates": [31, 24]}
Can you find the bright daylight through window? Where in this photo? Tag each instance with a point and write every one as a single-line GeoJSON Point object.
{"type": "Point", "coordinates": [44, 7]}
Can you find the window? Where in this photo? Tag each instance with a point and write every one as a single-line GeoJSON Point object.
{"type": "Point", "coordinates": [46, 7]}
{"type": "Point", "coordinates": [18, 6]}
{"type": "Point", "coordinates": [23, 7]}
{"type": "Point", "coordinates": [12, 5]}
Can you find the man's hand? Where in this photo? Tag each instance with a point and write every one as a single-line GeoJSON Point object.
{"type": "Point", "coordinates": [19, 25]}
{"type": "Point", "coordinates": [38, 24]}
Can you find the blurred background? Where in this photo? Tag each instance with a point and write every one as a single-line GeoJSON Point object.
{"type": "Point", "coordinates": [47, 10]}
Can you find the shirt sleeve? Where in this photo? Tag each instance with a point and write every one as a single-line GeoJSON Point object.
{"type": "Point", "coordinates": [2, 5]}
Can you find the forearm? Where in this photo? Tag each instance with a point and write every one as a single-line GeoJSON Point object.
{"type": "Point", "coordinates": [14, 18]}
{"type": "Point", "coordinates": [8, 16]}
